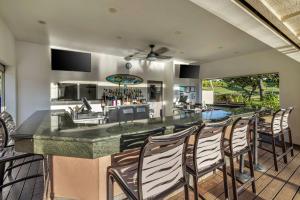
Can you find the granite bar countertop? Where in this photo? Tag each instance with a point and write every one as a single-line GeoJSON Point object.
{"type": "Point", "coordinates": [69, 102]}
{"type": "Point", "coordinates": [54, 132]}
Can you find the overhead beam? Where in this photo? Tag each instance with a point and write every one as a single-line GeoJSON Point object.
{"type": "Point", "coordinates": [250, 9]}
{"type": "Point", "coordinates": [291, 15]}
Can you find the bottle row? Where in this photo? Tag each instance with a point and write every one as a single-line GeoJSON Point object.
{"type": "Point", "coordinates": [121, 96]}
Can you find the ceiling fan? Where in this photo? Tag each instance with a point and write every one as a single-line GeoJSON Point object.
{"type": "Point", "coordinates": [151, 56]}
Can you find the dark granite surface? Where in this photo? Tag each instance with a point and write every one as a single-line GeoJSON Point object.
{"type": "Point", "coordinates": [54, 133]}
{"type": "Point", "coordinates": [59, 126]}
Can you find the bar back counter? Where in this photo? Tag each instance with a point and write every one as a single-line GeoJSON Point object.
{"type": "Point", "coordinates": [79, 154]}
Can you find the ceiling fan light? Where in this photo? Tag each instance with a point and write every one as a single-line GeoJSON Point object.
{"type": "Point", "coordinates": [151, 58]}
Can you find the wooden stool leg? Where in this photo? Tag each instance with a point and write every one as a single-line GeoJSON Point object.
{"type": "Point", "coordinates": [274, 153]}
{"type": "Point", "coordinates": [186, 192]}
{"type": "Point", "coordinates": [225, 181]}
{"type": "Point", "coordinates": [186, 186]}
{"type": "Point", "coordinates": [195, 180]}
{"type": "Point", "coordinates": [291, 141]}
{"type": "Point", "coordinates": [109, 187]}
{"type": "Point", "coordinates": [2, 172]}
{"type": "Point", "coordinates": [252, 171]}
{"type": "Point", "coordinates": [283, 147]}
{"type": "Point", "coordinates": [233, 177]}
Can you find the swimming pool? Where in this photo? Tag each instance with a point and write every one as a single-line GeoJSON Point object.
{"type": "Point", "coordinates": [215, 115]}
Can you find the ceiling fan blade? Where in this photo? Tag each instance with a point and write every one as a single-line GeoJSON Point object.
{"type": "Point", "coordinates": [141, 50]}
{"type": "Point", "coordinates": [136, 55]}
{"type": "Point", "coordinates": [140, 57]}
{"type": "Point", "coordinates": [128, 58]}
{"type": "Point", "coordinates": [161, 50]}
{"type": "Point", "coordinates": [163, 57]}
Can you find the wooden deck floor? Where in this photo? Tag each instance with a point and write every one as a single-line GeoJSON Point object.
{"type": "Point", "coordinates": [31, 189]}
{"type": "Point", "coordinates": [281, 185]}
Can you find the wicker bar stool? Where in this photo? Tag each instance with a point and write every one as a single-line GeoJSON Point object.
{"type": "Point", "coordinates": [208, 154]}
{"type": "Point", "coordinates": [9, 155]}
{"type": "Point", "coordinates": [239, 144]}
{"type": "Point", "coordinates": [276, 130]}
{"type": "Point", "coordinates": [159, 171]}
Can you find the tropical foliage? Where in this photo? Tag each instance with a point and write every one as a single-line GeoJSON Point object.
{"type": "Point", "coordinates": [254, 90]}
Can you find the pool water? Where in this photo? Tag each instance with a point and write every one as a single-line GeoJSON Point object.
{"type": "Point", "coordinates": [215, 115]}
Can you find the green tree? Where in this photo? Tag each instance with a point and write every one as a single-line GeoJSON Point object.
{"type": "Point", "coordinates": [248, 84]}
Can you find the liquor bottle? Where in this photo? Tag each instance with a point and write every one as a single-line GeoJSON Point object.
{"type": "Point", "coordinates": [104, 95]}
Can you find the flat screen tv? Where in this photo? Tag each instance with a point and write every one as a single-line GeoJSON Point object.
{"type": "Point", "coordinates": [189, 71]}
{"type": "Point", "coordinates": [70, 60]}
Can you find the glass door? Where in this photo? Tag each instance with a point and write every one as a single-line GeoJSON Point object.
{"type": "Point", "coordinates": [155, 98]}
{"type": "Point", "coordinates": [2, 92]}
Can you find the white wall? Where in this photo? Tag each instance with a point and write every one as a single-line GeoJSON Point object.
{"type": "Point", "coordinates": [33, 75]}
{"type": "Point", "coordinates": [169, 74]}
{"type": "Point", "coordinates": [104, 65]}
{"type": "Point", "coordinates": [7, 57]}
{"type": "Point", "coordinates": [207, 97]}
{"type": "Point", "coordinates": [7, 45]}
{"type": "Point", "coordinates": [264, 62]}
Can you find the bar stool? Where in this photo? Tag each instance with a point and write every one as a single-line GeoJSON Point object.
{"type": "Point", "coordinates": [239, 144]}
{"type": "Point", "coordinates": [276, 130]}
{"type": "Point", "coordinates": [159, 171]}
{"type": "Point", "coordinates": [8, 153]}
{"type": "Point", "coordinates": [136, 140]}
{"type": "Point", "coordinates": [286, 128]}
{"type": "Point", "coordinates": [208, 154]}
{"type": "Point", "coordinates": [180, 127]}
{"type": "Point", "coordinates": [130, 146]}
{"type": "Point", "coordinates": [9, 126]}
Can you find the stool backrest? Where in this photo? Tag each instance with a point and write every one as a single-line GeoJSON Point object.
{"type": "Point", "coordinates": [9, 125]}
{"type": "Point", "coordinates": [286, 118]}
{"type": "Point", "coordinates": [208, 146]}
{"type": "Point", "coordinates": [277, 121]}
{"type": "Point", "coordinates": [3, 136]}
{"type": "Point", "coordinates": [136, 140]}
{"type": "Point", "coordinates": [178, 127]}
{"type": "Point", "coordinates": [162, 164]}
{"type": "Point", "coordinates": [239, 136]}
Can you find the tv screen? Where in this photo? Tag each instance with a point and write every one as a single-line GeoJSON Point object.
{"type": "Point", "coordinates": [189, 71]}
{"type": "Point", "coordinates": [70, 60]}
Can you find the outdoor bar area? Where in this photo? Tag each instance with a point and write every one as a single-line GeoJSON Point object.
{"type": "Point", "coordinates": [143, 100]}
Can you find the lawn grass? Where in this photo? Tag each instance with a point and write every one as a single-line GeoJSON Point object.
{"type": "Point", "coordinates": [254, 98]}
{"type": "Point", "coordinates": [230, 93]}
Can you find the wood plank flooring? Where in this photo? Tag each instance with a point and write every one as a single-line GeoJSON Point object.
{"type": "Point", "coordinates": [31, 189]}
{"type": "Point", "coordinates": [284, 184]}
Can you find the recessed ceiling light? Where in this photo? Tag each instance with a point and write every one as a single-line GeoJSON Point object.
{"type": "Point", "coordinates": [41, 22]}
{"type": "Point", "coordinates": [178, 32]}
{"type": "Point", "coordinates": [112, 10]}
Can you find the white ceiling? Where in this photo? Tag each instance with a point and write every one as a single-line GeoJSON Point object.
{"type": "Point", "coordinates": [237, 15]}
{"type": "Point", "coordinates": [190, 31]}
